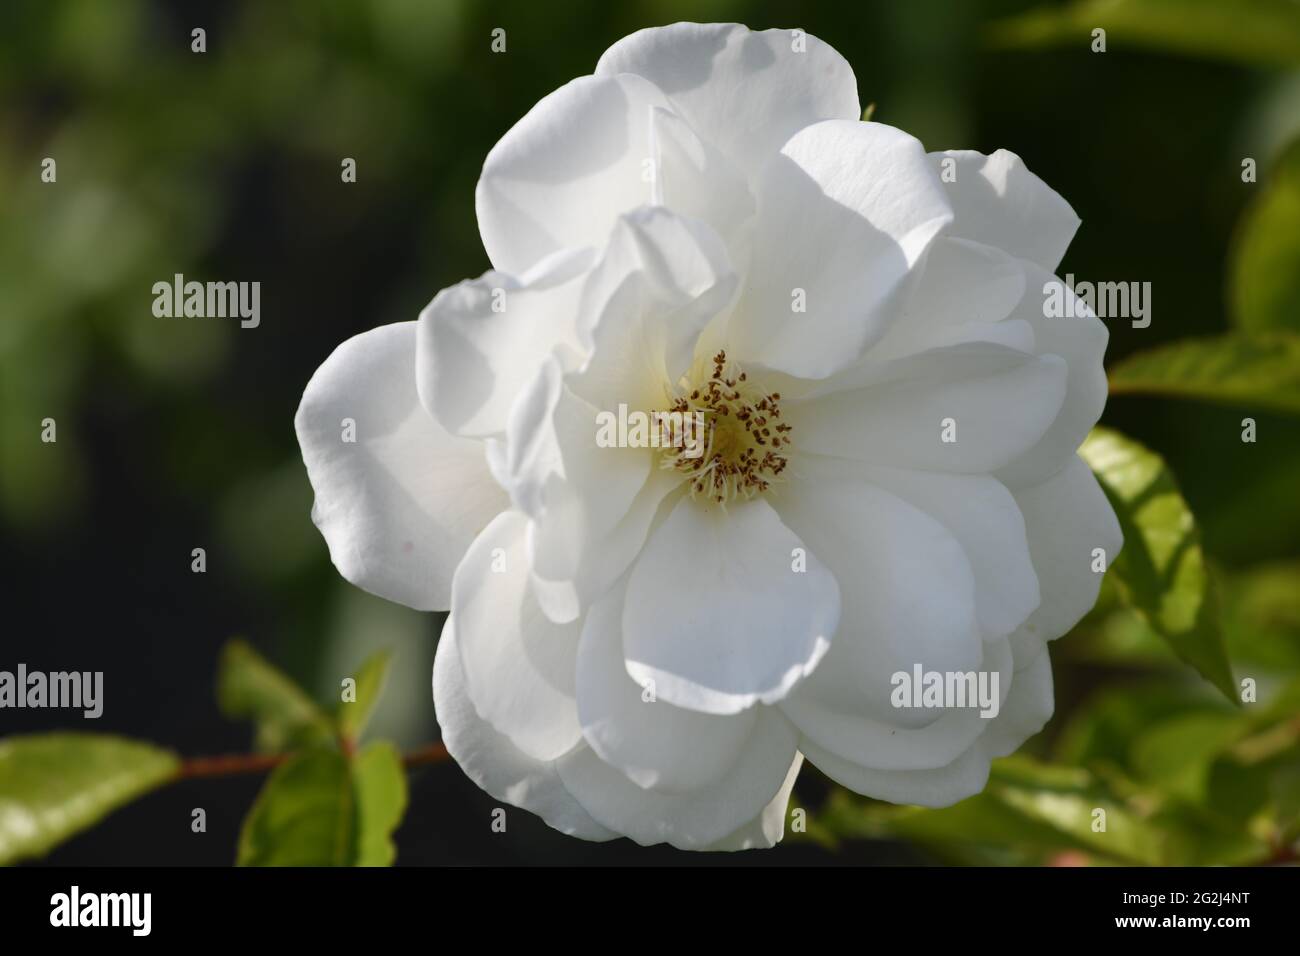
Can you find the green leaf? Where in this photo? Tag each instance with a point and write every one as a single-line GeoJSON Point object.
{"type": "Point", "coordinates": [1026, 806]}
{"type": "Point", "coordinates": [1120, 639]}
{"type": "Point", "coordinates": [54, 785]}
{"type": "Point", "coordinates": [1261, 626]}
{"type": "Point", "coordinates": [1262, 616]}
{"type": "Point", "coordinates": [380, 785]}
{"type": "Point", "coordinates": [1103, 728]}
{"type": "Point", "coordinates": [248, 686]}
{"type": "Point", "coordinates": [304, 814]}
{"type": "Point", "coordinates": [1031, 811]}
{"type": "Point", "coordinates": [1198, 836]}
{"type": "Point", "coordinates": [321, 808]}
{"type": "Point", "coordinates": [1065, 799]}
{"type": "Point", "coordinates": [1265, 259]}
{"type": "Point", "coordinates": [1245, 31]}
{"type": "Point", "coordinates": [1177, 754]}
{"type": "Point", "coordinates": [1213, 778]}
{"type": "Point", "coordinates": [370, 677]}
{"type": "Point", "coordinates": [1238, 791]}
{"type": "Point", "coordinates": [1286, 785]}
{"type": "Point", "coordinates": [1259, 373]}
{"type": "Point", "coordinates": [1161, 571]}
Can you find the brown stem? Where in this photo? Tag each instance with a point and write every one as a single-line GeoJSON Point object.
{"type": "Point", "coordinates": [233, 764]}
{"type": "Point", "coordinates": [433, 753]}
{"type": "Point", "coordinates": [228, 765]}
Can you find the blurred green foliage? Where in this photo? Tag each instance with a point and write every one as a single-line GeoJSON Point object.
{"type": "Point", "coordinates": [1149, 768]}
{"type": "Point", "coordinates": [1249, 31]}
{"type": "Point", "coordinates": [1266, 258]}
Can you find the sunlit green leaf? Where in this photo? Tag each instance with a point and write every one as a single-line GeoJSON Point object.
{"type": "Point", "coordinates": [1265, 266]}
{"type": "Point", "coordinates": [304, 815]}
{"type": "Point", "coordinates": [248, 686]}
{"type": "Point", "coordinates": [1248, 31]}
{"type": "Point", "coordinates": [370, 677]}
{"type": "Point", "coordinates": [1261, 627]}
{"type": "Point", "coordinates": [322, 808]}
{"type": "Point", "coordinates": [1255, 373]}
{"type": "Point", "coordinates": [380, 785]}
{"type": "Point", "coordinates": [1161, 570]}
{"type": "Point", "coordinates": [54, 785]}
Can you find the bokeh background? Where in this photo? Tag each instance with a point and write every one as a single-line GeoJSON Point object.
{"type": "Point", "coordinates": [176, 434]}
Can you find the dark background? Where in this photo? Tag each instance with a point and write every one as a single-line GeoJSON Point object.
{"type": "Point", "coordinates": [176, 434]}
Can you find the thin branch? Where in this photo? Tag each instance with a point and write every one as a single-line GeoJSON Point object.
{"type": "Point", "coordinates": [434, 753]}
{"type": "Point", "coordinates": [228, 765]}
{"type": "Point", "coordinates": [231, 765]}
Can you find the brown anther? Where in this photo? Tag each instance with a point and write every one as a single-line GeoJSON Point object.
{"type": "Point", "coordinates": [739, 461]}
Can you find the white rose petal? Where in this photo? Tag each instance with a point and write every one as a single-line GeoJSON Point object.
{"type": "Point", "coordinates": [748, 91]}
{"type": "Point", "coordinates": [518, 664]}
{"type": "Point", "coordinates": [400, 505]}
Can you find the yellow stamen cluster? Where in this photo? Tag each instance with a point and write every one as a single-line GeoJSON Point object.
{"type": "Point", "coordinates": [743, 436]}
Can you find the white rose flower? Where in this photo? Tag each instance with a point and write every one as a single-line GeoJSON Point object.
{"type": "Point", "coordinates": [643, 643]}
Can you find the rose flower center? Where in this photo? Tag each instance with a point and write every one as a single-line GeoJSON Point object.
{"type": "Point", "coordinates": [733, 441]}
